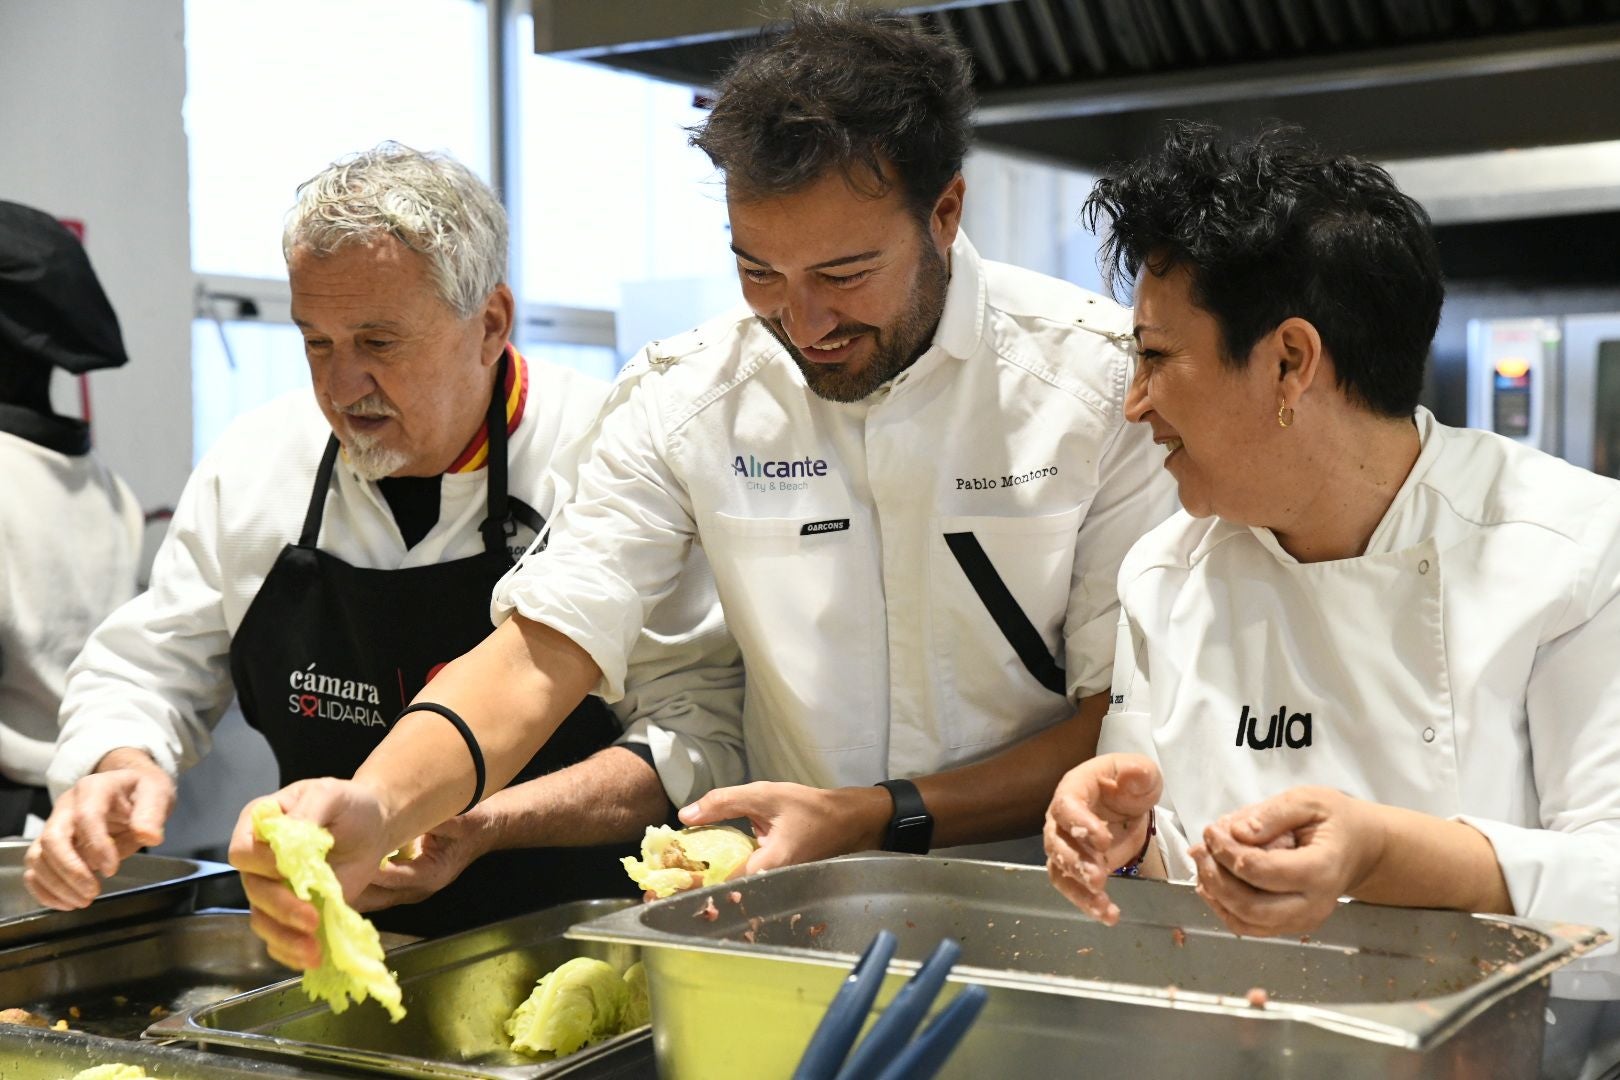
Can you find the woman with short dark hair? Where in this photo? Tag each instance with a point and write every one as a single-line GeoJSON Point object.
{"type": "Point", "coordinates": [1374, 656]}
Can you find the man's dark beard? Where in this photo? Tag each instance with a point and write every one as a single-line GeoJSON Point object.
{"type": "Point", "coordinates": [894, 348]}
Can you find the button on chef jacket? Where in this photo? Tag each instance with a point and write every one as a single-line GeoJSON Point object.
{"type": "Point", "coordinates": [869, 654]}
{"type": "Point", "coordinates": [156, 674]}
{"type": "Point", "coordinates": [1464, 666]}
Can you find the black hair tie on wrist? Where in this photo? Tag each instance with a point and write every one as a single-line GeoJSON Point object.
{"type": "Point", "coordinates": [466, 733]}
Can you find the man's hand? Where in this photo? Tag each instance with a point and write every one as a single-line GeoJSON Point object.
{"type": "Point", "coordinates": [447, 850]}
{"type": "Point", "coordinates": [1098, 822]}
{"type": "Point", "coordinates": [795, 823]}
{"type": "Point", "coordinates": [1280, 866]}
{"type": "Point", "coordinates": [354, 817]}
{"type": "Point", "coordinates": [97, 824]}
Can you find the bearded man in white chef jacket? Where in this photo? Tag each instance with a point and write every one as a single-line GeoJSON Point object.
{"type": "Point", "coordinates": [1375, 657]}
{"type": "Point", "coordinates": [334, 550]}
{"type": "Point", "coordinates": [909, 468]}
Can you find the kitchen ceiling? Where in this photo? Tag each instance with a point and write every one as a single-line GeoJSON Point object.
{"type": "Point", "coordinates": [1085, 82]}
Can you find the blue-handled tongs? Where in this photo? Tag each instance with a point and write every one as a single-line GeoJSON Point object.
{"type": "Point", "coordinates": [889, 1052]}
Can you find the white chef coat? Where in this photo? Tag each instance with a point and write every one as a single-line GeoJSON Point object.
{"type": "Point", "coordinates": [1464, 666]}
{"type": "Point", "coordinates": [156, 675]}
{"type": "Point", "coordinates": [70, 546]}
{"type": "Point", "coordinates": [868, 653]}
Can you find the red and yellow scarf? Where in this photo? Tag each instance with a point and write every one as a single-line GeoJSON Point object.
{"type": "Point", "coordinates": [516, 389]}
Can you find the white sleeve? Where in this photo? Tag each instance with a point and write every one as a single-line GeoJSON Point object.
{"type": "Point", "coordinates": [1128, 729]}
{"type": "Point", "coordinates": [684, 690]}
{"type": "Point", "coordinates": [1134, 493]}
{"type": "Point", "coordinates": [1569, 869]}
{"type": "Point", "coordinates": [671, 670]}
{"type": "Point", "coordinates": [615, 550]}
{"type": "Point", "coordinates": [155, 675]}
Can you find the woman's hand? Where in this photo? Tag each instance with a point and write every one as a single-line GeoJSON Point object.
{"type": "Point", "coordinates": [1280, 866]}
{"type": "Point", "coordinates": [354, 818]}
{"type": "Point", "coordinates": [1096, 823]}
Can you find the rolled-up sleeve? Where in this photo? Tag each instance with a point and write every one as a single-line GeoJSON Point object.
{"type": "Point", "coordinates": [615, 549]}
{"type": "Point", "coordinates": [155, 675]}
{"type": "Point", "coordinates": [1134, 493]}
{"type": "Point", "coordinates": [684, 690]}
{"type": "Point", "coordinates": [1568, 870]}
{"type": "Point", "coordinates": [621, 578]}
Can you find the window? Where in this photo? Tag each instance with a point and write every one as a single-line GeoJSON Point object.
{"type": "Point", "coordinates": [612, 193]}
{"type": "Point", "coordinates": [275, 91]}
{"type": "Point", "coordinates": [269, 102]}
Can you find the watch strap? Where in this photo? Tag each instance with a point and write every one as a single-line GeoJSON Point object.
{"type": "Point", "coordinates": [911, 827]}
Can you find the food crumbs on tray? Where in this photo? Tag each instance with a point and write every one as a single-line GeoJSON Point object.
{"type": "Point", "coordinates": [60, 1025]}
{"type": "Point", "coordinates": [158, 1011]}
{"type": "Point", "coordinates": [75, 1012]}
{"type": "Point", "coordinates": [1179, 936]}
{"type": "Point", "coordinates": [707, 911]}
{"type": "Point", "coordinates": [23, 1017]}
{"type": "Point", "coordinates": [794, 921]}
{"type": "Point", "coordinates": [1258, 998]}
{"type": "Point", "coordinates": [734, 896]}
{"type": "Point", "coordinates": [910, 925]}
{"type": "Point", "coordinates": [818, 929]}
{"type": "Point", "coordinates": [120, 999]}
{"type": "Point", "coordinates": [1084, 950]}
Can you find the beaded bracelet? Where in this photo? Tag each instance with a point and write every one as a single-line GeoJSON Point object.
{"type": "Point", "coordinates": [1134, 867]}
{"type": "Point", "coordinates": [466, 734]}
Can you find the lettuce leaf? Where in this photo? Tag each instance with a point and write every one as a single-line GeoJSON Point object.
{"type": "Point", "coordinates": [580, 1002]}
{"type": "Point", "coordinates": [351, 952]}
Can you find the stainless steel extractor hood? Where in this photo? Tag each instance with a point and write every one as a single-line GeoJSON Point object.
{"type": "Point", "coordinates": [1085, 82]}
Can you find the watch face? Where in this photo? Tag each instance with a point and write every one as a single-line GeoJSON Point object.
{"type": "Point", "coordinates": [911, 835]}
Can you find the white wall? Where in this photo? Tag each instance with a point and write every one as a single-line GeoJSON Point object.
{"type": "Point", "coordinates": [90, 128]}
{"type": "Point", "coordinates": [1025, 212]}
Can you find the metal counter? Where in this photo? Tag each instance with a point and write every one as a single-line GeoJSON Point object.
{"type": "Point", "coordinates": [1377, 992]}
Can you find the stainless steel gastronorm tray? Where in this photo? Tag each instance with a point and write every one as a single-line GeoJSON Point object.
{"type": "Point", "coordinates": [145, 886]}
{"type": "Point", "coordinates": [1376, 992]}
{"type": "Point", "coordinates": [27, 1054]}
{"type": "Point", "coordinates": [458, 992]}
{"type": "Point", "coordinates": [115, 981]}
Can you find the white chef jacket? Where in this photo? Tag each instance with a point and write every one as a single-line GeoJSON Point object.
{"type": "Point", "coordinates": [70, 545]}
{"type": "Point", "coordinates": [1464, 666]}
{"type": "Point", "coordinates": [868, 653]}
{"type": "Point", "coordinates": [156, 675]}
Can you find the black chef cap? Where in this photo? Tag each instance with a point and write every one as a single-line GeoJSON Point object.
{"type": "Point", "coordinates": [52, 309]}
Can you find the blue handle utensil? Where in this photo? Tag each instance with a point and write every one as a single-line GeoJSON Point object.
{"type": "Point", "coordinates": [926, 1053]}
{"type": "Point", "coordinates": [842, 1022]}
{"type": "Point", "coordinates": [889, 1052]}
{"type": "Point", "coordinates": [904, 1013]}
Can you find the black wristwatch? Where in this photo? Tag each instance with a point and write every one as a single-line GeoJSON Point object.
{"type": "Point", "coordinates": [911, 829]}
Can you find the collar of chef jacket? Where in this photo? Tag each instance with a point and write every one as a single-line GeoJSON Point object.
{"type": "Point", "coordinates": [1393, 527]}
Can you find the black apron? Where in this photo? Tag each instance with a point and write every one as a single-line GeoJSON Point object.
{"type": "Point", "coordinates": [328, 654]}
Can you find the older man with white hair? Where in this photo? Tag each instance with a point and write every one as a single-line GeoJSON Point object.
{"type": "Point", "coordinates": [330, 554]}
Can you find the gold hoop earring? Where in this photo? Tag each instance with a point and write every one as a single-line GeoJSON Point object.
{"type": "Point", "coordinates": [1285, 415]}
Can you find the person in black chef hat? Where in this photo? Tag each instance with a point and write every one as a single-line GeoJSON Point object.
{"type": "Point", "coordinates": [70, 529]}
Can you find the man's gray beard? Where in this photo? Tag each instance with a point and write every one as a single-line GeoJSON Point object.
{"type": "Point", "coordinates": [371, 460]}
{"type": "Point", "coordinates": [895, 348]}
